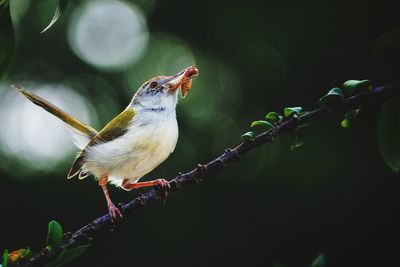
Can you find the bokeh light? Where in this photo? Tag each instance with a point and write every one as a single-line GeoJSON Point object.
{"type": "Point", "coordinates": [165, 55]}
{"type": "Point", "coordinates": [333, 195]}
{"type": "Point", "coordinates": [34, 137]}
{"type": "Point", "coordinates": [101, 93]}
{"type": "Point", "coordinates": [18, 10]}
{"type": "Point", "coordinates": [215, 96]}
{"type": "Point", "coordinates": [215, 90]}
{"type": "Point", "coordinates": [108, 34]}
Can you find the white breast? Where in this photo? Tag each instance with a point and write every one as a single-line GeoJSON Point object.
{"type": "Point", "coordinates": [148, 142]}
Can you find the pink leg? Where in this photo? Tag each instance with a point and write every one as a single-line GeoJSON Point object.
{"type": "Point", "coordinates": [113, 211]}
{"type": "Point", "coordinates": [159, 182]}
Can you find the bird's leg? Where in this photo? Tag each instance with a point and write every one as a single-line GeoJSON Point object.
{"type": "Point", "coordinates": [113, 211]}
{"type": "Point", "coordinates": [161, 183]}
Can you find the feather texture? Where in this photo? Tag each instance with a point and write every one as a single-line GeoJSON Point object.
{"type": "Point", "coordinates": [114, 129]}
{"type": "Point", "coordinates": [149, 140]}
{"type": "Point", "coordinates": [133, 143]}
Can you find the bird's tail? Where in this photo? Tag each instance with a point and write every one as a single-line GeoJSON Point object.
{"type": "Point", "coordinates": [82, 132]}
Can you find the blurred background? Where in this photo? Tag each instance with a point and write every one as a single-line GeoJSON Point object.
{"type": "Point", "coordinates": [277, 207]}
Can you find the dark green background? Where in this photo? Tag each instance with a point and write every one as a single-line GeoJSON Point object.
{"type": "Point", "coordinates": [334, 195]}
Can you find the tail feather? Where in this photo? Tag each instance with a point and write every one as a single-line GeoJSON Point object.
{"type": "Point", "coordinates": [56, 111]}
{"type": "Point", "coordinates": [83, 174]}
{"type": "Point", "coordinates": [77, 168]}
{"type": "Point", "coordinates": [82, 132]}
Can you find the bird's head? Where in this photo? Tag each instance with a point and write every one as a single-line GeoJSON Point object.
{"type": "Point", "coordinates": [161, 92]}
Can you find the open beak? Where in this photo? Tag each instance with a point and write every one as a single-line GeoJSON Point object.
{"type": "Point", "coordinates": [182, 80]}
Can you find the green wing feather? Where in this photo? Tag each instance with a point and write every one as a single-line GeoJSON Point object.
{"type": "Point", "coordinates": [114, 129]}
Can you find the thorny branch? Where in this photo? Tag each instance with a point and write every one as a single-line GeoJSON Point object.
{"type": "Point", "coordinates": [86, 233]}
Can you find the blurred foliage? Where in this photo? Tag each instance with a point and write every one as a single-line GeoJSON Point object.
{"type": "Point", "coordinates": [349, 117]}
{"type": "Point", "coordinates": [15, 256]}
{"type": "Point", "coordinates": [352, 87]}
{"type": "Point", "coordinates": [319, 261]}
{"type": "Point", "coordinates": [61, 6]}
{"type": "Point", "coordinates": [388, 128]}
{"type": "Point", "coordinates": [54, 239]}
{"type": "Point", "coordinates": [291, 111]}
{"type": "Point", "coordinates": [7, 39]}
{"type": "Point", "coordinates": [277, 205]}
{"type": "Point", "coordinates": [54, 234]}
{"type": "Point", "coordinates": [334, 96]}
{"type": "Point", "coordinates": [5, 255]}
{"type": "Point", "coordinates": [67, 256]}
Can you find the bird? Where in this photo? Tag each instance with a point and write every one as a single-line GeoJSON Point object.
{"type": "Point", "coordinates": [133, 143]}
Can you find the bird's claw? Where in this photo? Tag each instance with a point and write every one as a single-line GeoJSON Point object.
{"type": "Point", "coordinates": [163, 185]}
{"type": "Point", "coordinates": [115, 213]}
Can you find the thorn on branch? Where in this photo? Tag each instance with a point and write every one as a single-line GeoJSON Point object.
{"type": "Point", "coordinates": [44, 250]}
{"type": "Point", "coordinates": [140, 201]}
{"type": "Point", "coordinates": [222, 161]}
{"type": "Point", "coordinates": [92, 226]}
{"type": "Point", "coordinates": [235, 152]}
{"type": "Point", "coordinates": [66, 236]}
{"type": "Point", "coordinates": [203, 171]}
{"type": "Point", "coordinates": [293, 127]}
{"type": "Point", "coordinates": [177, 180]}
{"type": "Point", "coordinates": [227, 151]}
{"type": "Point", "coordinates": [274, 132]}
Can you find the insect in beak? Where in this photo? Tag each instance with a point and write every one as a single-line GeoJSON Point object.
{"type": "Point", "coordinates": [182, 79]}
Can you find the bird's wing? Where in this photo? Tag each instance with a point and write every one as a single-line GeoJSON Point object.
{"type": "Point", "coordinates": [81, 132]}
{"type": "Point", "coordinates": [114, 129]}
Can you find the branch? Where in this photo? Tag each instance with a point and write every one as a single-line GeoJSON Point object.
{"type": "Point", "coordinates": [86, 233]}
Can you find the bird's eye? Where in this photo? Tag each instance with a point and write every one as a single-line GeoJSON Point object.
{"type": "Point", "coordinates": [153, 85]}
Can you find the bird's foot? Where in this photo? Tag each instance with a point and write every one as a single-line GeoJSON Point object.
{"type": "Point", "coordinates": [162, 185]}
{"type": "Point", "coordinates": [114, 212]}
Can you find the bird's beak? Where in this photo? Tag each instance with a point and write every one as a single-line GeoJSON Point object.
{"type": "Point", "coordinates": [183, 80]}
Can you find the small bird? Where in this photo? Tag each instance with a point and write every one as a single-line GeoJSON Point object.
{"type": "Point", "coordinates": [132, 144]}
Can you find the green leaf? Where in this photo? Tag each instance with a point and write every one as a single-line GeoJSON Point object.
{"type": "Point", "coordinates": [319, 261]}
{"type": "Point", "coordinates": [355, 86]}
{"type": "Point", "coordinates": [273, 117]}
{"type": "Point", "coordinates": [334, 96]}
{"type": "Point", "coordinates": [248, 136]}
{"type": "Point", "coordinates": [7, 40]}
{"type": "Point", "coordinates": [57, 261]}
{"type": "Point", "coordinates": [61, 6]}
{"type": "Point", "coordinates": [349, 118]}
{"type": "Point", "coordinates": [291, 111]}
{"type": "Point", "coordinates": [262, 123]}
{"type": "Point", "coordinates": [388, 132]}
{"type": "Point", "coordinates": [54, 234]}
{"type": "Point", "coordinates": [4, 261]}
{"type": "Point", "coordinates": [26, 252]}
{"type": "Point", "coordinates": [71, 254]}
{"type": "Point", "coordinates": [18, 254]}
{"type": "Point", "coordinates": [298, 140]}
